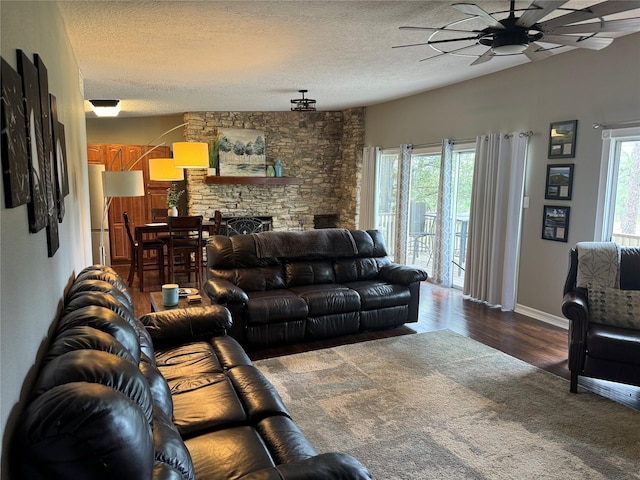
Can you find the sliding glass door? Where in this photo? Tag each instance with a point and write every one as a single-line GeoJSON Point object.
{"type": "Point", "coordinates": [386, 196]}
{"type": "Point", "coordinates": [433, 237]}
{"type": "Point", "coordinates": [424, 186]}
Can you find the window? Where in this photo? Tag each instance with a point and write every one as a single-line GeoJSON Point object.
{"type": "Point", "coordinates": [618, 213]}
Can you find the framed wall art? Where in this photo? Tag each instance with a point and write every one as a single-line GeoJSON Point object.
{"type": "Point", "coordinates": [60, 158]}
{"type": "Point", "coordinates": [562, 139]}
{"type": "Point", "coordinates": [15, 161]}
{"type": "Point", "coordinates": [37, 207]}
{"type": "Point", "coordinates": [555, 223]}
{"type": "Point", "coordinates": [559, 182]}
{"type": "Point", "coordinates": [53, 242]}
{"type": "Point", "coordinates": [241, 153]}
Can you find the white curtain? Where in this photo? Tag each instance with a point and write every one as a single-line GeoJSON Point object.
{"type": "Point", "coordinates": [367, 218]}
{"type": "Point", "coordinates": [402, 203]}
{"type": "Point", "coordinates": [443, 249]}
{"type": "Point", "coordinates": [495, 219]}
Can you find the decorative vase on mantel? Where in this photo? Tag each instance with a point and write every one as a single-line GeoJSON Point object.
{"type": "Point", "coordinates": [172, 211]}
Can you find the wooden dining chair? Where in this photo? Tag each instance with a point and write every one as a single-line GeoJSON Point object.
{"type": "Point", "coordinates": [138, 264]}
{"type": "Point", "coordinates": [217, 223]}
{"type": "Point", "coordinates": [185, 242]}
{"type": "Point", "coordinates": [158, 214]}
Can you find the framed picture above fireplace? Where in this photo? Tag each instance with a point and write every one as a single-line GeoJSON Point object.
{"type": "Point", "coordinates": [242, 152]}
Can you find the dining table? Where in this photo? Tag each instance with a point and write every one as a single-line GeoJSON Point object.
{"type": "Point", "coordinates": [157, 229]}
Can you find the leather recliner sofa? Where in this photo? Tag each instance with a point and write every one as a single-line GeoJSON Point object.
{"type": "Point", "coordinates": [168, 396]}
{"type": "Point", "coordinates": [605, 351]}
{"type": "Point", "coordinates": [287, 287]}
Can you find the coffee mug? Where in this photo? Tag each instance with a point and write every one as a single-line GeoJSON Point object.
{"type": "Point", "coordinates": [170, 294]}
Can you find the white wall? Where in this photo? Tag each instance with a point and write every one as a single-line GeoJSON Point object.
{"type": "Point", "coordinates": [31, 284]}
{"type": "Point", "coordinates": [586, 85]}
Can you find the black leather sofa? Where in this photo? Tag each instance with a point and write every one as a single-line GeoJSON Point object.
{"type": "Point", "coordinates": [167, 396]}
{"type": "Point", "coordinates": [598, 350]}
{"type": "Point", "coordinates": [287, 287]}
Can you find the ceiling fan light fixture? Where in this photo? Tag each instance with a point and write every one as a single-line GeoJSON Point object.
{"type": "Point", "coordinates": [105, 108]}
{"type": "Point", "coordinates": [510, 42]}
{"type": "Point", "coordinates": [509, 49]}
{"type": "Point", "coordinates": [303, 104]}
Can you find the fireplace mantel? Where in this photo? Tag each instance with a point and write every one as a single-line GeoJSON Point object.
{"type": "Point", "coordinates": [219, 180]}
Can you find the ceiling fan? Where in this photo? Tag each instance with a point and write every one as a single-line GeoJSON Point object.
{"type": "Point", "coordinates": [521, 30]}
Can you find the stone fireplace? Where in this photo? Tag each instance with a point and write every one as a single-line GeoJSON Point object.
{"type": "Point", "coordinates": [321, 151]}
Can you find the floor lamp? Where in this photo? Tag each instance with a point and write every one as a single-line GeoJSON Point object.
{"type": "Point", "coordinates": [130, 183]}
{"type": "Point", "coordinates": [118, 183]}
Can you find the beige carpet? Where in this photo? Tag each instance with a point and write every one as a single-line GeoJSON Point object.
{"type": "Point", "coordinates": [442, 406]}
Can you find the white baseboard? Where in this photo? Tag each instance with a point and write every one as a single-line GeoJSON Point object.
{"type": "Point", "coordinates": [543, 316]}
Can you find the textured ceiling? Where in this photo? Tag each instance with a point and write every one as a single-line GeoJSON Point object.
{"type": "Point", "coordinates": [169, 57]}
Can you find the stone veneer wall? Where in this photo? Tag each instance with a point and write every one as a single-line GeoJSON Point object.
{"type": "Point", "coordinates": [323, 149]}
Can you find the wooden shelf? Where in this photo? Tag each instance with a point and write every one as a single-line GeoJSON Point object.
{"type": "Point", "coordinates": [215, 180]}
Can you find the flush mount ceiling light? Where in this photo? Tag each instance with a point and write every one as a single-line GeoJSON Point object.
{"type": "Point", "coordinates": [105, 108]}
{"type": "Point", "coordinates": [303, 104]}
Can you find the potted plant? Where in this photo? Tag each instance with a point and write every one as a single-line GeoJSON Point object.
{"type": "Point", "coordinates": [173, 196]}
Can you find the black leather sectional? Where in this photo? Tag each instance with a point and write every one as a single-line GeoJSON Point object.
{"type": "Point", "coordinates": [167, 396]}
{"type": "Point", "coordinates": [286, 287]}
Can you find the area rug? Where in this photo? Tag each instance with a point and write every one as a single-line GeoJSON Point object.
{"type": "Point", "coordinates": [442, 406]}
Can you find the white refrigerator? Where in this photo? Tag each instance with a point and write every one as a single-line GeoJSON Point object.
{"type": "Point", "coordinates": [96, 202]}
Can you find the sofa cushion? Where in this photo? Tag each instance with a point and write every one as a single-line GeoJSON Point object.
{"type": "Point", "coordinates": [83, 430]}
{"type": "Point", "coordinates": [612, 306]}
{"type": "Point", "coordinates": [612, 343]}
{"type": "Point", "coordinates": [377, 294]}
{"type": "Point", "coordinates": [203, 396]}
{"type": "Point", "coordinates": [106, 320]}
{"type": "Point", "coordinates": [108, 274]}
{"type": "Point", "coordinates": [85, 337]}
{"type": "Point", "coordinates": [228, 453]}
{"type": "Point", "coordinates": [160, 392]}
{"type": "Point", "coordinates": [94, 366]}
{"type": "Point", "coordinates": [170, 449]}
{"type": "Point", "coordinates": [354, 269]}
{"type": "Point", "coordinates": [326, 299]}
{"type": "Point", "coordinates": [308, 273]}
{"type": "Point", "coordinates": [272, 306]}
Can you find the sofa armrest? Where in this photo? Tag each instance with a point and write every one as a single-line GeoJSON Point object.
{"type": "Point", "coordinates": [223, 292]}
{"type": "Point", "coordinates": [575, 307]}
{"type": "Point", "coordinates": [336, 466]}
{"type": "Point", "coordinates": [173, 327]}
{"type": "Point", "coordinates": [402, 274]}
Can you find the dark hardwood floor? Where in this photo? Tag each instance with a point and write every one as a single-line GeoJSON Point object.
{"type": "Point", "coordinates": [530, 340]}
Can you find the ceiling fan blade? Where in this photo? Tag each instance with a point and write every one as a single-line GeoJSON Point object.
{"type": "Point", "coordinates": [600, 10]}
{"type": "Point", "coordinates": [453, 40]}
{"type": "Point", "coordinates": [625, 25]}
{"type": "Point", "coordinates": [447, 53]}
{"type": "Point", "coordinates": [485, 57]}
{"type": "Point", "coordinates": [476, 11]}
{"type": "Point", "coordinates": [535, 52]}
{"type": "Point", "coordinates": [439, 29]}
{"type": "Point", "coordinates": [411, 45]}
{"type": "Point", "coordinates": [592, 43]}
{"type": "Point", "coordinates": [538, 10]}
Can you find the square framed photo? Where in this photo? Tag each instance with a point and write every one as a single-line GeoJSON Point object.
{"type": "Point", "coordinates": [559, 182]}
{"type": "Point", "coordinates": [562, 139]}
{"type": "Point", "coordinates": [555, 223]}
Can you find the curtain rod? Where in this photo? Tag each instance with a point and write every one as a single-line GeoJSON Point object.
{"type": "Point", "coordinates": [606, 126]}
